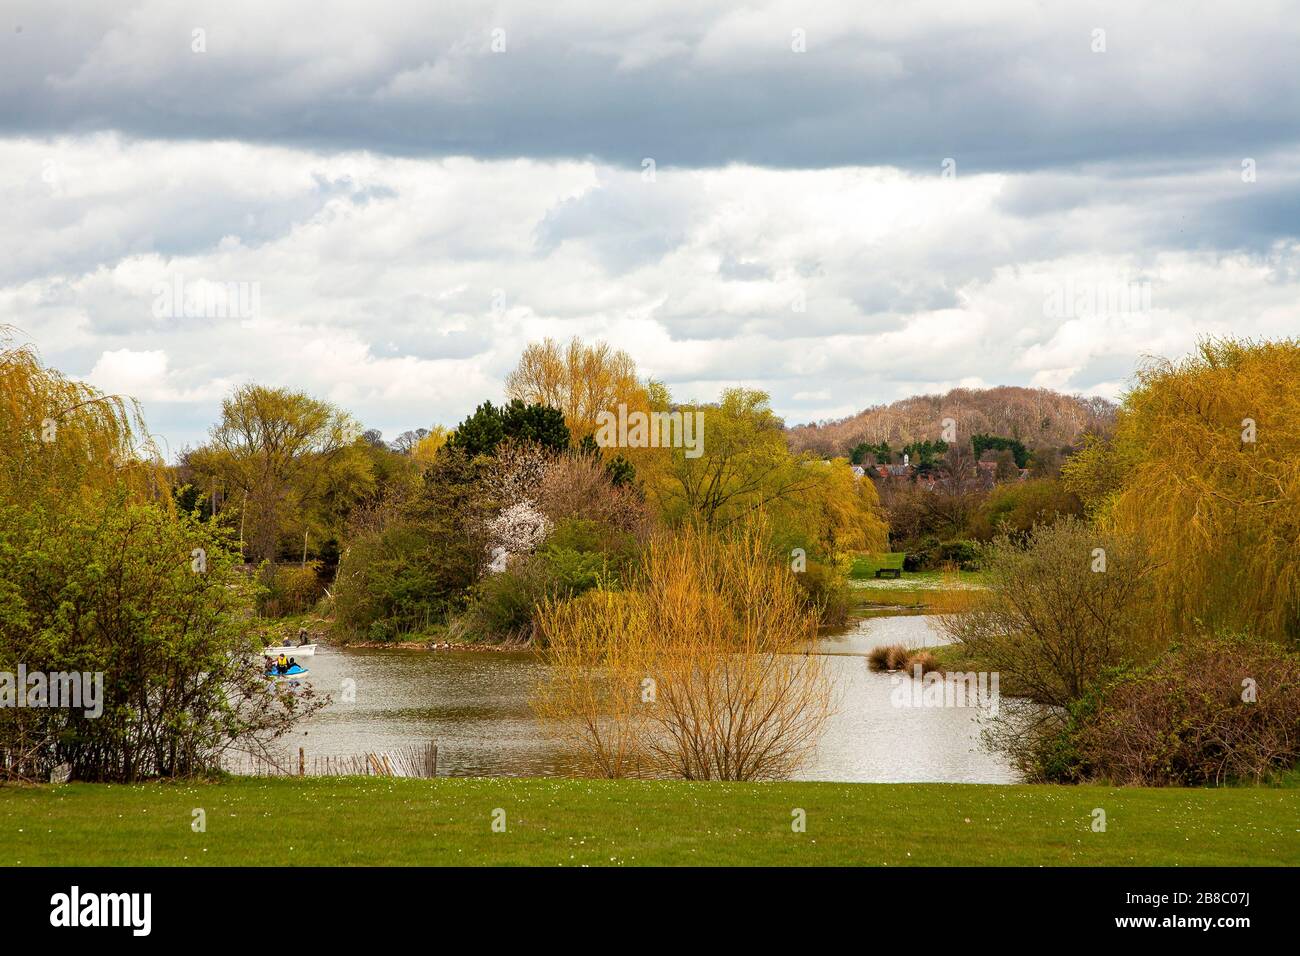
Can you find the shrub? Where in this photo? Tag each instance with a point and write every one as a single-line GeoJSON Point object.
{"type": "Point", "coordinates": [878, 658]}
{"type": "Point", "coordinates": [1053, 618]}
{"type": "Point", "coordinates": [922, 659]}
{"type": "Point", "coordinates": [413, 562]}
{"type": "Point", "coordinates": [1215, 709]}
{"type": "Point", "coordinates": [964, 554]}
{"type": "Point", "coordinates": [1015, 507]}
{"type": "Point", "coordinates": [896, 656]}
{"type": "Point", "coordinates": [578, 486]}
{"type": "Point", "coordinates": [700, 671]}
{"type": "Point", "coordinates": [289, 589]}
{"type": "Point", "coordinates": [578, 556]}
{"type": "Point", "coordinates": [153, 602]}
{"type": "Point", "coordinates": [826, 588]}
{"type": "Point", "coordinates": [915, 561]}
{"type": "Point", "coordinates": [504, 602]}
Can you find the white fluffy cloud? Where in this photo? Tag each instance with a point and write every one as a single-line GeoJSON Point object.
{"type": "Point", "coordinates": [382, 207]}
{"type": "Point", "coordinates": [404, 289]}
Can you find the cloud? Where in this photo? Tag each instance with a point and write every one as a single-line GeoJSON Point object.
{"type": "Point", "coordinates": [1011, 85]}
{"type": "Point", "coordinates": [414, 198]}
{"type": "Point", "coordinates": [405, 289]}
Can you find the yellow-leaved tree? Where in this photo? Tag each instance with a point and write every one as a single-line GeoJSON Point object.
{"type": "Point", "coordinates": [699, 670]}
{"type": "Point", "coordinates": [1205, 468]}
{"type": "Point", "coordinates": [60, 438]}
{"type": "Point", "coordinates": [583, 381]}
{"type": "Point", "coordinates": [578, 379]}
{"type": "Point", "coordinates": [744, 466]}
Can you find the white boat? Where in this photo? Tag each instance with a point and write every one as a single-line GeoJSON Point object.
{"type": "Point", "coordinates": [292, 650]}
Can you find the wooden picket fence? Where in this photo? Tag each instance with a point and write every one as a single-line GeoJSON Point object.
{"type": "Point", "coordinates": [420, 760]}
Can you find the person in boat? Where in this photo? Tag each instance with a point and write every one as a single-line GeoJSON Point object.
{"type": "Point", "coordinates": [292, 663]}
{"type": "Point", "coordinates": [281, 664]}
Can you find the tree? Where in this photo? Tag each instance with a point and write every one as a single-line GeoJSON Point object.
{"type": "Point", "coordinates": [983, 443]}
{"type": "Point", "coordinates": [1205, 467]}
{"type": "Point", "coordinates": [411, 565]}
{"type": "Point", "coordinates": [536, 423]}
{"type": "Point", "coordinates": [151, 600]}
{"type": "Point", "coordinates": [426, 449]}
{"type": "Point", "coordinates": [482, 432]}
{"type": "Point", "coordinates": [408, 440]}
{"type": "Point", "coordinates": [579, 380]}
{"type": "Point", "coordinates": [279, 454]}
{"type": "Point", "coordinates": [1016, 508]}
{"type": "Point", "coordinates": [744, 465]}
{"type": "Point", "coordinates": [1006, 465]}
{"type": "Point", "coordinates": [881, 452]}
{"type": "Point", "coordinates": [1060, 607]}
{"type": "Point", "coordinates": [700, 671]}
{"type": "Point", "coordinates": [60, 438]}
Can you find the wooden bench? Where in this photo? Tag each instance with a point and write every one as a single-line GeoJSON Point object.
{"type": "Point", "coordinates": [892, 566]}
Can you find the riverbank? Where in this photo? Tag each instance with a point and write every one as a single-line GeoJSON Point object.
{"type": "Point", "coordinates": [382, 821]}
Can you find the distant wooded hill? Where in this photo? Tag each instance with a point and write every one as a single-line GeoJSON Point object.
{"type": "Point", "coordinates": [1038, 417]}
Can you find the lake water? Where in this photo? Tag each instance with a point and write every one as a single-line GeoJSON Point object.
{"type": "Point", "coordinates": [474, 705]}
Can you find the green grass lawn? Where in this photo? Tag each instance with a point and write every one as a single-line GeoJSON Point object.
{"type": "Point", "coordinates": [341, 821]}
{"type": "Point", "coordinates": [915, 591]}
{"type": "Point", "coordinates": [865, 566]}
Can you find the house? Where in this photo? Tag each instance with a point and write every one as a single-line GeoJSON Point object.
{"type": "Point", "coordinates": [898, 472]}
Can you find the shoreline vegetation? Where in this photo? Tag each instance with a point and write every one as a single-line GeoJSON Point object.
{"type": "Point", "coordinates": [1156, 649]}
{"type": "Point", "coordinates": [569, 822]}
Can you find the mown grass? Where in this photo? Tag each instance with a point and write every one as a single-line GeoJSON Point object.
{"type": "Point", "coordinates": [865, 566]}
{"type": "Point", "coordinates": [560, 822]}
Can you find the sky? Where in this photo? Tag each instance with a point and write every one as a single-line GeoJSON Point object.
{"type": "Point", "coordinates": [840, 203]}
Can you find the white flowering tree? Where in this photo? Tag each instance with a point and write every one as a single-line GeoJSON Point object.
{"type": "Point", "coordinates": [518, 529]}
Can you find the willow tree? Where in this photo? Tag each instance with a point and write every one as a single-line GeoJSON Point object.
{"type": "Point", "coordinates": [700, 670]}
{"type": "Point", "coordinates": [287, 461]}
{"type": "Point", "coordinates": [1205, 467]}
{"type": "Point", "coordinates": [100, 575]}
{"type": "Point", "coordinates": [60, 438]}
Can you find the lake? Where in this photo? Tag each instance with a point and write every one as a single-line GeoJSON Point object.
{"type": "Point", "coordinates": [474, 705]}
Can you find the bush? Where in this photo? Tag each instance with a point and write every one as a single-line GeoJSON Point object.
{"type": "Point", "coordinates": [897, 657]}
{"type": "Point", "coordinates": [924, 660]}
{"type": "Point", "coordinates": [503, 603]}
{"type": "Point", "coordinates": [716, 637]}
{"type": "Point", "coordinates": [915, 561]}
{"type": "Point", "coordinates": [826, 588]}
{"type": "Point", "coordinates": [1053, 618]}
{"type": "Point", "coordinates": [411, 567]}
{"type": "Point", "coordinates": [1016, 507]}
{"type": "Point", "coordinates": [1216, 709]}
{"type": "Point", "coordinates": [889, 657]}
{"type": "Point", "coordinates": [578, 556]}
{"type": "Point", "coordinates": [964, 554]}
{"type": "Point", "coordinates": [289, 588]}
{"type": "Point", "coordinates": [151, 601]}
{"type": "Point", "coordinates": [878, 658]}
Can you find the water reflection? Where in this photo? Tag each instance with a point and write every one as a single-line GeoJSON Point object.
{"type": "Point", "coordinates": [475, 706]}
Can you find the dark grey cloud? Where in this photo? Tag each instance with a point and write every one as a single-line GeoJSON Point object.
{"type": "Point", "coordinates": [1011, 85]}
